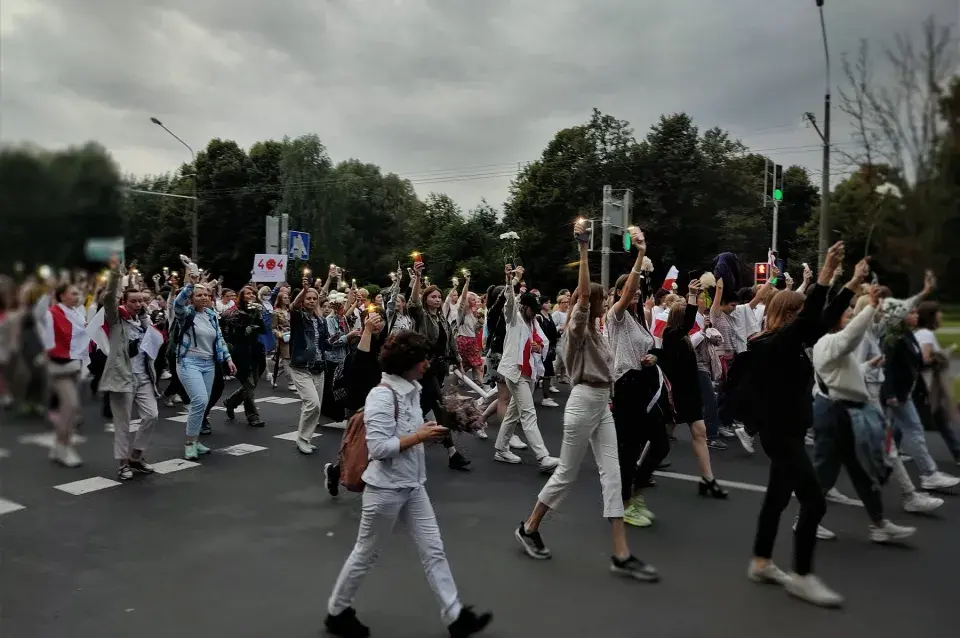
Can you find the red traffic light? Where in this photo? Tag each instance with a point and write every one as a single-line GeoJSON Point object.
{"type": "Point", "coordinates": [761, 272]}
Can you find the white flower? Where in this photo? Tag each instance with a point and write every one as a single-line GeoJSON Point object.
{"type": "Point", "coordinates": [647, 265]}
{"type": "Point", "coordinates": [510, 235]}
{"type": "Point", "coordinates": [337, 297]}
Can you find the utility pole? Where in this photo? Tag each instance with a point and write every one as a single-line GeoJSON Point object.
{"type": "Point", "coordinates": [605, 224]}
{"type": "Point", "coordinates": [284, 234]}
{"type": "Point", "coordinates": [194, 231]}
{"type": "Point", "coordinates": [824, 240]}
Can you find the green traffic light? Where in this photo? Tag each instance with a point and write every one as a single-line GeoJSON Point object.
{"type": "Point", "coordinates": [778, 194]}
{"type": "Point", "coordinates": [627, 242]}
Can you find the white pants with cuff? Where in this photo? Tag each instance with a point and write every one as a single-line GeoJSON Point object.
{"type": "Point", "coordinates": [521, 410]}
{"type": "Point", "coordinates": [381, 510]}
{"type": "Point", "coordinates": [121, 404]}
{"type": "Point", "coordinates": [310, 388]}
{"type": "Point", "coordinates": [587, 421]}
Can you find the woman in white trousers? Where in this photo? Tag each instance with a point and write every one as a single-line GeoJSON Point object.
{"type": "Point", "coordinates": [587, 421]}
{"type": "Point", "coordinates": [395, 479]}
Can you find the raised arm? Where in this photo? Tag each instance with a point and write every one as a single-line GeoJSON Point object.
{"type": "Point", "coordinates": [633, 279]}
{"type": "Point", "coordinates": [111, 311]}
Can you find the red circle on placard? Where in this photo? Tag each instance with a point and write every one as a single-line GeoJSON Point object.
{"type": "Point", "coordinates": [271, 264]}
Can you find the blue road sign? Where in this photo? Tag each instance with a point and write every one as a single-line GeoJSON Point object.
{"type": "Point", "coordinates": [299, 245]}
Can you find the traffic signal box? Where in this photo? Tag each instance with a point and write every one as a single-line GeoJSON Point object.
{"type": "Point", "coordinates": [761, 273]}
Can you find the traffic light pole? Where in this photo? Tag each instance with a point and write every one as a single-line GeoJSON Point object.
{"type": "Point", "coordinates": [776, 225]}
{"type": "Point", "coordinates": [606, 222]}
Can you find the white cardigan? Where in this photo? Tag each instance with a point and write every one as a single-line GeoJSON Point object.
{"type": "Point", "coordinates": [518, 333]}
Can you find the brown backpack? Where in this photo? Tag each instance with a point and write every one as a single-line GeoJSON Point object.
{"type": "Point", "coordinates": [354, 456]}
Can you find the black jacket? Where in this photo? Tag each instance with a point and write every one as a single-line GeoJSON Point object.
{"type": "Point", "coordinates": [678, 361]}
{"type": "Point", "coordinates": [241, 331]}
{"type": "Point", "coordinates": [904, 358]}
{"type": "Point", "coordinates": [781, 371]}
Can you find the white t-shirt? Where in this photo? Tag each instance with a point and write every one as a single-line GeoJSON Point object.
{"type": "Point", "coordinates": [925, 336]}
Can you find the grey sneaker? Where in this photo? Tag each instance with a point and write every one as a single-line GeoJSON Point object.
{"type": "Point", "coordinates": [813, 590]}
{"type": "Point", "coordinates": [633, 567]}
{"type": "Point", "coordinates": [532, 543]}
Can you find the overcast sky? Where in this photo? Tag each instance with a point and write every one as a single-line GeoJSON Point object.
{"type": "Point", "coordinates": [449, 93]}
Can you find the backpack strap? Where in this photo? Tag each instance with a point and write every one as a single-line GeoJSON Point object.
{"type": "Point", "coordinates": [396, 400]}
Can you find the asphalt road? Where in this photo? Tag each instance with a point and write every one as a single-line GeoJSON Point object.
{"type": "Point", "coordinates": [248, 545]}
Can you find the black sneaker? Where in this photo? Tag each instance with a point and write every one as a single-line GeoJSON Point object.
{"type": "Point", "coordinates": [331, 479]}
{"type": "Point", "coordinates": [124, 473]}
{"type": "Point", "coordinates": [469, 623]}
{"type": "Point", "coordinates": [459, 462]}
{"type": "Point", "coordinates": [205, 429]}
{"type": "Point", "coordinates": [231, 414]}
{"type": "Point", "coordinates": [256, 422]}
{"type": "Point", "coordinates": [716, 444]}
{"type": "Point", "coordinates": [140, 466]}
{"type": "Point", "coordinates": [664, 464]}
{"type": "Point", "coordinates": [532, 543]}
{"type": "Point", "coordinates": [634, 568]}
{"type": "Point", "coordinates": [346, 625]}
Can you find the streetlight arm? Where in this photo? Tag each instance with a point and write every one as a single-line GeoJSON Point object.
{"type": "Point", "coordinates": [194, 224]}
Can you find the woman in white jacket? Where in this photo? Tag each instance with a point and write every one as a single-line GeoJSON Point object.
{"type": "Point", "coordinates": [521, 365]}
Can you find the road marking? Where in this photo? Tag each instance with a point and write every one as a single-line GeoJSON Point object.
{"type": "Point", "coordinates": [9, 506]}
{"type": "Point", "coordinates": [280, 400]}
{"type": "Point", "coordinates": [240, 449]}
{"type": "Point", "coordinates": [173, 465]}
{"type": "Point", "coordinates": [180, 418]}
{"type": "Point", "coordinates": [46, 439]}
{"type": "Point", "coordinates": [292, 436]}
{"type": "Point", "coordinates": [4, 453]}
{"type": "Point", "coordinates": [733, 485]}
{"type": "Point", "coordinates": [93, 484]}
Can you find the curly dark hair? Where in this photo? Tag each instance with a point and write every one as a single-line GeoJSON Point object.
{"type": "Point", "coordinates": [402, 351]}
{"type": "Point", "coordinates": [927, 315]}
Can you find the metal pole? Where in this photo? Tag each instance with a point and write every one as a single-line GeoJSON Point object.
{"type": "Point", "coordinates": [285, 234]}
{"type": "Point", "coordinates": [194, 225]}
{"type": "Point", "coordinates": [824, 240]}
{"type": "Point", "coordinates": [605, 239]}
{"type": "Point", "coordinates": [776, 225]}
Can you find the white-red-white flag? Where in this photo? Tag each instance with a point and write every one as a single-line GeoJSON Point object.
{"type": "Point", "coordinates": [672, 275]}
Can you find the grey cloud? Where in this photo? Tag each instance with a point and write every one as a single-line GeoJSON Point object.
{"type": "Point", "coordinates": [421, 85]}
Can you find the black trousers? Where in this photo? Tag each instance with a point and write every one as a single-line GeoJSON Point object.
{"type": "Point", "coordinates": [431, 396]}
{"type": "Point", "coordinates": [635, 427]}
{"type": "Point", "coordinates": [791, 471]}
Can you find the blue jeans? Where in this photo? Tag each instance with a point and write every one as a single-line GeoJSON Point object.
{"type": "Point", "coordinates": [906, 419]}
{"type": "Point", "coordinates": [197, 376]}
{"type": "Point", "coordinates": [711, 413]}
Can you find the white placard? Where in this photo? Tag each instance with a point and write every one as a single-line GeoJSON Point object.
{"type": "Point", "coordinates": [269, 268]}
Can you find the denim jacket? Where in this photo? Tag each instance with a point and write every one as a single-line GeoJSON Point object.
{"type": "Point", "coordinates": [186, 314]}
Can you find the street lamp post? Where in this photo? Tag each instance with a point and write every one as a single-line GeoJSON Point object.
{"type": "Point", "coordinates": [194, 250]}
{"type": "Point", "coordinates": [824, 240]}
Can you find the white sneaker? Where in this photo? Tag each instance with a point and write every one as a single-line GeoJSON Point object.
{"type": "Point", "coordinates": [813, 590]}
{"type": "Point", "coordinates": [168, 402]}
{"type": "Point", "coordinates": [921, 503]}
{"type": "Point", "coordinates": [808, 440]}
{"type": "Point", "coordinates": [835, 496]}
{"type": "Point", "coordinates": [554, 389]}
{"type": "Point", "coordinates": [822, 532]}
{"type": "Point", "coordinates": [305, 446]}
{"type": "Point", "coordinates": [69, 457]}
{"type": "Point", "coordinates": [506, 456]}
{"type": "Point", "coordinates": [549, 403]}
{"type": "Point", "coordinates": [482, 434]}
{"type": "Point", "coordinates": [938, 481]}
{"type": "Point", "coordinates": [548, 463]}
{"type": "Point", "coordinates": [887, 532]}
{"type": "Point", "coordinates": [516, 443]}
{"type": "Point", "coordinates": [177, 399]}
{"type": "Point", "coordinates": [768, 574]}
{"type": "Point", "coordinates": [745, 439]}
{"type": "Point", "coordinates": [292, 388]}
{"type": "Point", "coordinates": [165, 375]}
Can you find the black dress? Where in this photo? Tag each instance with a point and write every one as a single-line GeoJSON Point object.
{"type": "Point", "coordinates": [678, 361]}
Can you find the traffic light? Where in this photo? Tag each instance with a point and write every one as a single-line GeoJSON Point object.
{"type": "Point", "coordinates": [761, 273]}
{"type": "Point", "coordinates": [777, 193]}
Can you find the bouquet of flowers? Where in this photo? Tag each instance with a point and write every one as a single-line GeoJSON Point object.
{"type": "Point", "coordinates": [464, 416]}
{"type": "Point", "coordinates": [510, 247]}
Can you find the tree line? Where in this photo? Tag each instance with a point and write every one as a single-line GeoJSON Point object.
{"type": "Point", "coordinates": [696, 193]}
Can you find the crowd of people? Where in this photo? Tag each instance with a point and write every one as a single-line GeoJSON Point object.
{"type": "Point", "coordinates": [831, 374]}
